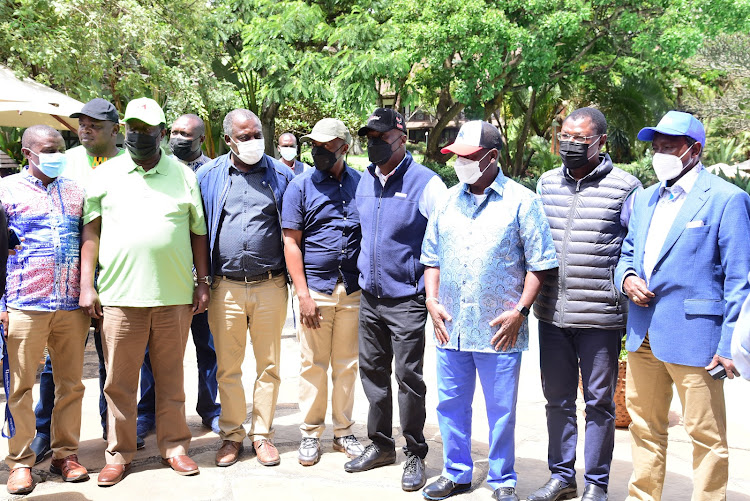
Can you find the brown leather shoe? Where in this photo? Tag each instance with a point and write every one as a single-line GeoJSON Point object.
{"type": "Point", "coordinates": [70, 469]}
{"type": "Point", "coordinates": [112, 474]}
{"type": "Point", "coordinates": [20, 481]}
{"type": "Point", "coordinates": [182, 465]}
{"type": "Point", "coordinates": [267, 453]}
{"type": "Point", "coordinates": [229, 453]}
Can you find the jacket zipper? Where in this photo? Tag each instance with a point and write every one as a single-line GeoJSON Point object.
{"type": "Point", "coordinates": [374, 244]}
{"type": "Point", "coordinates": [566, 241]}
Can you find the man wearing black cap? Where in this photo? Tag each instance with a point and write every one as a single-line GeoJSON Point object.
{"type": "Point", "coordinates": [98, 124]}
{"type": "Point", "coordinates": [394, 200]}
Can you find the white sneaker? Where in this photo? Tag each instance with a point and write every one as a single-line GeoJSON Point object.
{"type": "Point", "coordinates": [349, 445]}
{"type": "Point", "coordinates": [309, 451]}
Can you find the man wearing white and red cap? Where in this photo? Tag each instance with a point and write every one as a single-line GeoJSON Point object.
{"type": "Point", "coordinates": [486, 250]}
{"type": "Point", "coordinates": [680, 323]}
{"type": "Point", "coordinates": [394, 199]}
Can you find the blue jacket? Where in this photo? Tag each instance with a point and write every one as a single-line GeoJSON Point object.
{"type": "Point", "coordinates": [700, 279]}
{"type": "Point", "coordinates": [392, 231]}
{"type": "Point", "coordinates": [213, 179]}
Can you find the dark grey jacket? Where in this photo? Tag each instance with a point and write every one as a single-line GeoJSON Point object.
{"type": "Point", "coordinates": [584, 217]}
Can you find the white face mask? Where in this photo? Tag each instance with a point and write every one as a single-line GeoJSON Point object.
{"type": "Point", "coordinates": [668, 167]}
{"type": "Point", "coordinates": [468, 170]}
{"type": "Point", "coordinates": [288, 152]}
{"type": "Point", "coordinates": [250, 152]}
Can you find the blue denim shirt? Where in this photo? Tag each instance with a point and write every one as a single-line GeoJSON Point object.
{"type": "Point", "coordinates": [484, 252]}
{"type": "Point", "coordinates": [323, 208]}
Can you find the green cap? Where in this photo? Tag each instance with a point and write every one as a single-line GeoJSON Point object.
{"type": "Point", "coordinates": [328, 129]}
{"type": "Point", "coordinates": [146, 110]}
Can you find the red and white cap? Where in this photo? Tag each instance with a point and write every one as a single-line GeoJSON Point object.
{"type": "Point", "coordinates": [474, 136]}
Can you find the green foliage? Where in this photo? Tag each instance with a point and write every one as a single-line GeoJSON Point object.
{"type": "Point", "coordinates": [722, 151]}
{"type": "Point", "coordinates": [642, 169]}
{"type": "Point", "coordinates": [10, 143]}
{"type": "Point", "coordinates": [542, 158]}
{"type": "Point", "coordinates": [446, 172]}
{"type": "Point", "coordinates": [741, 180]}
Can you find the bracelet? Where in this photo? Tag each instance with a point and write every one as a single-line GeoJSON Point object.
{"type": "Point", "coordinates": [433, 299]}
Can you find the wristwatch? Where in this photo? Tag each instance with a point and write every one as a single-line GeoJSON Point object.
{"type": "Point", "coordinates": [205, 280]}
{"type": "Point", "coordinates": [523, 310]}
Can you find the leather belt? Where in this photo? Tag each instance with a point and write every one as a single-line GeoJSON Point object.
{"type": "Point", "coordinates": [268, 275]}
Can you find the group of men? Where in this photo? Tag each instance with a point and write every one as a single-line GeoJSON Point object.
{"type": "Point", "coordinates": [152, 246]}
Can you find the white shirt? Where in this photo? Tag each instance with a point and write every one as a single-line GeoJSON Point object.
{"type": "Point", "coordinates": [433, 191]}
{"type": "Point", "coordinates": [741, 341]}
{"type": "Point", "coordinates": [671, 200]}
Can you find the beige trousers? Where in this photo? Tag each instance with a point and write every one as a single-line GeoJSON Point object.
{"type": "Point", "coordinates": [64, 333]}
{"type": "Point", "coordinates": [336, 342]}
{"type": "Point", "coordinates": [125, 334]}
{"type": "Point", "coordinates": [648, 396]}
{"type": "Point", "coordinates": [236, 307]}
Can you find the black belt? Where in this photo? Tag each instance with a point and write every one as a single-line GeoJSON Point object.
{"type": "Point", "coordinates": [268, 275]}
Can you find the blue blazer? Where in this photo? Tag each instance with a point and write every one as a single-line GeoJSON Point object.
{"type": "Point", "coordinates": [700, 279]}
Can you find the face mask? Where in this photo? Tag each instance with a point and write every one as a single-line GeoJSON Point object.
{"type": "Point", "coordinates": [184, 148]}
{"type": "Point", "coordinates": [288, 152]}
{"type": "Point", "coordinates": [324, 160]}
{"type": "Point", "coordinates": [668, 166]}
{"type": "Point", "coordinates": [250, 152]}
{"type": "Point", "coordinates": [468, 170]}
{"type": "Point", "coordinates": [576, 155]}
{"type": "Point", "coordinates": [51, 164]}
{"type": "Point", "coordinates": [142, 146]}
{"type": "Point", "coordinates": [379, 151]}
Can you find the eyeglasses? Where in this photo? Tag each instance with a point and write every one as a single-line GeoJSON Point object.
{"type": "Point", "coordinates": [562, 136]}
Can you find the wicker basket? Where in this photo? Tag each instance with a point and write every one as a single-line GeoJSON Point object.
{"type": "Point", "coordinates": [622, 418]}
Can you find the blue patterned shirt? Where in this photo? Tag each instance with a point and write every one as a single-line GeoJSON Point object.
{"type": "Point", "coordinates": [484, 252]}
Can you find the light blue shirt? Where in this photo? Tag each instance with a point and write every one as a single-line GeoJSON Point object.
{"type": "Point", "coordinates": [484, 252]}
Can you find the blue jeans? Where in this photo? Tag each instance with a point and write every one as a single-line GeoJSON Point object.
{"type": "Point", "coordinates": [43, 409]}
{"type": "Point", "coordinates": [208, 389]}
{"type": "Point", "coordinates": [456, 380]}
{"type": "Point", "coordinates": [561, 353]}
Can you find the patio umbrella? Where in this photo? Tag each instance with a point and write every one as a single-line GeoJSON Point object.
{"type": "Point", "coordinates": [25, 102]}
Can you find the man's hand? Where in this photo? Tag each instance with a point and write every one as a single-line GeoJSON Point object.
{"type": "Point", "coordinates": [201, 297]}
{"type": "Point", "coordinates": [89, 302]}
{"type": "Point", "coordinates": [14, 250]}
{"type": "Point", "coordinates": [726, 362]}
{"type": "Point", "coordinates": [635, 288]}
{"type": "Point", "coordinates": [439, 315]}
{"type": "Point", "coordinates": [309, 313]}
{"type": "Point", "coordinates": [4, 321]}
{"type": "Point", "coordinates": [509, 322]}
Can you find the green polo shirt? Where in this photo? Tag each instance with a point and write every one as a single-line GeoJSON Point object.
{"type": "Point", "coordinates": [145, 257]}
{"type": "Point", "coordinates": [81, 165]}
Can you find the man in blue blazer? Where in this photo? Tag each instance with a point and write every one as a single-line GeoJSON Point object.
{"type": "Point", "coordinates": [684, 265]}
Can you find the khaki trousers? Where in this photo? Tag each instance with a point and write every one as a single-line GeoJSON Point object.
{"type": "Point", "coordinates": [64, 333]}
{"type": "Point", "coordinates": [125, 334]}
{"type": "Point", "coordinates": [335, 342]}
{"type": "Point", "coordinates": [648, 396]}
{"type": "Point", "coordinates": [236, 307]}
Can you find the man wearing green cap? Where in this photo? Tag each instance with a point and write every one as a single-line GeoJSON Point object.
{"type": "Point", "coordinates": [145, 251]}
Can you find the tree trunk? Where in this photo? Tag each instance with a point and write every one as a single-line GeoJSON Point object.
{"type": "Point", "coordinates": [518, 161]}
{"type": "Point", "coordinates": [268, 121]}
{"type": "Point", "coordinates": [447, 110]}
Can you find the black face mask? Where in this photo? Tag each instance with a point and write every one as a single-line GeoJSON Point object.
{"type": "Point", "coordinates": [323, 159]}
{"type": "Point", "coordinates": [184, 148]}
{"type": "Point", "coordinates": [574, 155]}
{"type": "Point", "coordinates": [379, 151]}
{"type": "Point", "coordinates": [142, 146]}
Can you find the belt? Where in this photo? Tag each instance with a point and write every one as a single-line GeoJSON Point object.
{"type": "Point", "coordinates": [268, 275]}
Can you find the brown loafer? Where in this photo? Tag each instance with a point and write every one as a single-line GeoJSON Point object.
{"type": "Point", "coordinates": [112, 474]}
{"type": "Point", "coordinates": [20, 481]}
{"type": "Point", "coordinates": [267, 453]}
{"type": "Point", "coordinates": [70, 469]}
{"type": "Point", "coordinates": [229, 453]}
{"type": "Point", "coordinates": [182, 465]}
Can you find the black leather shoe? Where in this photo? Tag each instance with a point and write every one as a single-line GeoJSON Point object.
{"type": "Point", "coordinates": [554, 490]}
{"type": "Point", "coordinates": [371, 458]}
{"type": "Point", "coordinates": [40, 446]}
{"type": "Point", "coordinates": [414, 477]}
{"type": "Point", "coordinates": [505, 494]}
{"type": "Point", "coordinates": [443, 488]}
{"type": "Point", "coordinates": [594, 493]}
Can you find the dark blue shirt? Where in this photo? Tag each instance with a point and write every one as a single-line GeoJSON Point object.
{"type": "Point", "coordinates": [323, 208]}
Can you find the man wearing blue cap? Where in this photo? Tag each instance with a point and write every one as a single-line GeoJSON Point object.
{"type": "Point", "coordinates": [680, 324]}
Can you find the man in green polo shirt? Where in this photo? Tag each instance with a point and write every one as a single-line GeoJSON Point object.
{"type": "Point", "coordinates": [144, 225]}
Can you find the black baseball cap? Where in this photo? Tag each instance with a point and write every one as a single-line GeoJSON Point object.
{"type": "Point", "coordinates": [383, 120]}
{"type": "Point", "coordinates": [99, 109]}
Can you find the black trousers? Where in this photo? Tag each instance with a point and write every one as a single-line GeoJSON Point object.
{"type": "Point", "coordinates": [393, 329]}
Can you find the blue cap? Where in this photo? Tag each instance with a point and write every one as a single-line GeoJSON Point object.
{"type": "Point", "coordinates": [676, 123]}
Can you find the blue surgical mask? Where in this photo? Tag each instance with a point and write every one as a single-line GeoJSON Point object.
{"type": "Point", "coordinates": [52, 164]}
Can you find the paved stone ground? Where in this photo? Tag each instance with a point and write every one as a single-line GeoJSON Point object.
{"type": "Point", "coordinates": [327, 480]}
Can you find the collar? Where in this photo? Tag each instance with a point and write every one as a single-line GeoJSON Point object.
{"type": "Point", "coordinates": [262, 164]}
{"type": "Point", "coordinates": [604, 167]}
{"type": "Point", "coordinates": [26, 174]}
{"type": "Point", "coordinates": [319, 176]}
{"type": "Point", "coordinates": [684, 184]}
{"type": "Point", "coordinates": [159, 168]}
{"type": "Point", "coordinates": [498, 185]}
{"type": "Point", "coordinates": [385, 177]}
